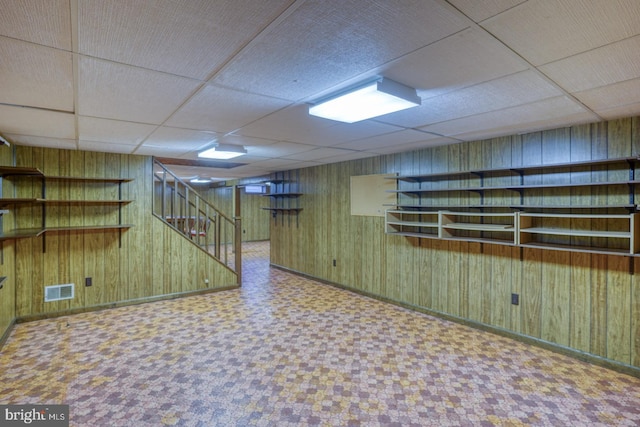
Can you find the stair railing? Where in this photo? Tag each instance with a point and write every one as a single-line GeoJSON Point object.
{"type": "Point", "coordinates": [181, 207]}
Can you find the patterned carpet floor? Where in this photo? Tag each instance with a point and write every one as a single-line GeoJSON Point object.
{"type": "Point", "coordinates": [288, 351]}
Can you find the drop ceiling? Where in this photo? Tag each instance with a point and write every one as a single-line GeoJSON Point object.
{"type": "Point", "coordinates": [166, 78]}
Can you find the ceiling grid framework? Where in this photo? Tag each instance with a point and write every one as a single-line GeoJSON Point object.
{"type": "Point", "coordinates": [167, 78]}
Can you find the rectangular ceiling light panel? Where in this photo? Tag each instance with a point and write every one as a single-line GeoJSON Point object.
{"type": "Point", "coordinates": [223, 152]}
{"type": "Point", "coordinates": [368, 101]}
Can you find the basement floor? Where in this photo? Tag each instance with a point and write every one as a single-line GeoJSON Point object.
{"type": "Point", "coordinates": [288, 351]}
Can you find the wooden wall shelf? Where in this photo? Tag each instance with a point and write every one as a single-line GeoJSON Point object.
{"type": "Point", "coordinates": [7, 172]}
{"type": "Point", "coordinates": [36, 232]}
{"type": "Point", "coordinates": [607, 228]}
{"type": "Point", "coordinates": [284, 196]}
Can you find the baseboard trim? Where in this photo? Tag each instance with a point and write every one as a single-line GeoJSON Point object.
{"type": "Point", "coordinates": [79, 310]}
{"type": "Point", "coordinates": [7, 332]}
{"type": "Point", "coordinates": [556, 348]}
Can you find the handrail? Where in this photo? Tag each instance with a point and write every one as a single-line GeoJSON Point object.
{"type": "Point", "coordinates": [181, 207]}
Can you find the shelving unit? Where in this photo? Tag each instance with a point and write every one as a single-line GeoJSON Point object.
{"type": "Point", "coordinates": [412, 223]}
{"type": "Point", "coordinates": [581, 206]}
{"type": "Point", "coordinates": [597, 233]}
{"type": "Point", "coordinates": [284, 196]}
{"type": "Point", "coordinates": [8, 172]}
{"type": "Point", "coordinates": [473, 227]}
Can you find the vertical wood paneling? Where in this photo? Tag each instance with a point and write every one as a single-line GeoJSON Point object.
{"type": "Point", "coordinates": [635, 316]}
{"type": "Point", "coordinates": [618, 310]}
{"type": "Point", "coordinates": [7, 254]}
{"type": "Point", "coordinates": [501, 281]}
{"type": "Point", "coordinates": [476, 281]}
{"type": "Point", "coordinates": [440, 274]}
{"type": "Point", "coordinates": [515, 321]}
{"type": "Point", "coordinates": [580, 303]}
{"type": "Point", "coordinates": [619, 138]}
{"type": "Point", "coordinates": [8, 291]}
{"type": "Point", "coordinates": [556, 297]}
{"type": "Point", "coordinates": [53, 264]}
{"type": "Point", "coordinates": [599, 305]}
{"type": "Point", "coordinates": [531, 300]}
{"type": "Point", "coordinates": [564, 297]}
{"type": "Point", "coordinates": [75, 167]}
{"type": "Point", "coordinates": [463, 297]}
{"type": "Point", "coordinates": [425, 267]}
{"type": "Point", "coordinates": [94, 242]}
{"type": "Point", "coordinates": [133, 270]}
{"type": "Point", "coordinates": [486, 295]}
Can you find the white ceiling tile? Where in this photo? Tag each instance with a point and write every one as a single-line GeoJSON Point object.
{"type": "Point", "coordinates": [307, 164]}
{"type": "Point", "coordinates": [184, 140]}
{"type": "Point", "coordinates": [620, 111]}
{"type": "Point", "coordinates": [280, 149]}
{"type": "Point", "coordinates": [34, 122]}
{"type": "Point", "coordinates": [343, 132]}
{"type": "Point", "coordinates": [599, 67]}
{"type": "Point", "coordinates": [481, 10]}
{"type": "Point", "coordinates": [223, 110]}
{"type": "Point", "coordinates": [320, 153]}
{"type": "Point", "coordinates": [611, 96]}
{"type": "Point", "coordinates": [112, 131]}
{"type": "Point", "coordinates": [41, 141]}
{"type": "Point", "coordinates": [388, 140]}
{"type": "Point", "coordinates": [42, 22]}
{"type": "Point", "coordinates": [35, 76]}
{"type": "Point", "coordinates": [246, 141]}
{"type": "Point", "coordinates": [276, 164]}
{"type": "Point", "coordinates": [412, 146]}
{"type": "Point", "coordinates": [171, 151]}
{"type": "Point", "coordinates": [187, 38]}
{"type": "Point", "coordinates": [290, 123]}
{"type": "Point", "coordinates": [117, 91]}
{"type": "Point", "coordinates": [544, 31]}
{"type": "Point", "coordinates": [353, 155]}
{"type": "Point", "coordinates": [504, 92]}
{"type": "Point", "coordinates": [324, 43]}
{"type": "Point", "coordinates": [166, 77]}
{"type": "Point", "coordinates": [460, 60]}
{"type": "Point", "coordinates": [106, 147]}
{"type": "Point", "coordinates": [545, 114]}
{"type": "Point", "coordinates": [247, 171]}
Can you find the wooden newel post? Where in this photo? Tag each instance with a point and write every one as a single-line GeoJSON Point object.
{"type": "Point", "coordinates": [238, 232]}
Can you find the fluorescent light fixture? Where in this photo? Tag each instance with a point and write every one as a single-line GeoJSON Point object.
{"type": "Point", "coordinates": [200, 180]}
{"type": "Point", "coordinates": [223, 152]}
{"type": "Point", "coordinates": [364, 102]}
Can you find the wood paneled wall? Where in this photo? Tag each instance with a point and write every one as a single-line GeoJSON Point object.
{"type": "Point", "coordinates": [255, 220]}
{"type": "Point", "coordinates": [7, 259]}
{"type": "Point", "coordinates": [586, 302]}
{"type": "Point", "coordinates": [145, 262]}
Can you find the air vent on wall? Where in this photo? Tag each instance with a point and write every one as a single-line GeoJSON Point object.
{"type": "Point", "coordinates": [58, 292]}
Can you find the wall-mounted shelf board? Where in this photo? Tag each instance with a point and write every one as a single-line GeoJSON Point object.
{"type": "Point", "coordinates": [543, 217]}
{"type": "Point", "coordinates": [36, 232]}
{"type": "Point", "coordinates": [282, 195]}
{"type": "Point", "coordinates": [7, 172]}
{"type": "Point", "coordinates": [521, 170]}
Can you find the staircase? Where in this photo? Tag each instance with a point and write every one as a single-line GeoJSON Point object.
{"type": "Point", "coordinates": [181, 207]}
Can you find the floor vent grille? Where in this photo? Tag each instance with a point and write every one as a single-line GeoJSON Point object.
{"type": "Point", "coordinates": [59, 292]}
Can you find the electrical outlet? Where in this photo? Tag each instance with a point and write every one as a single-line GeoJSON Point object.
{"type": "Point", "coordinates": [515, 299]}
{"type": "Point", "coordinates": [88, 281]}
